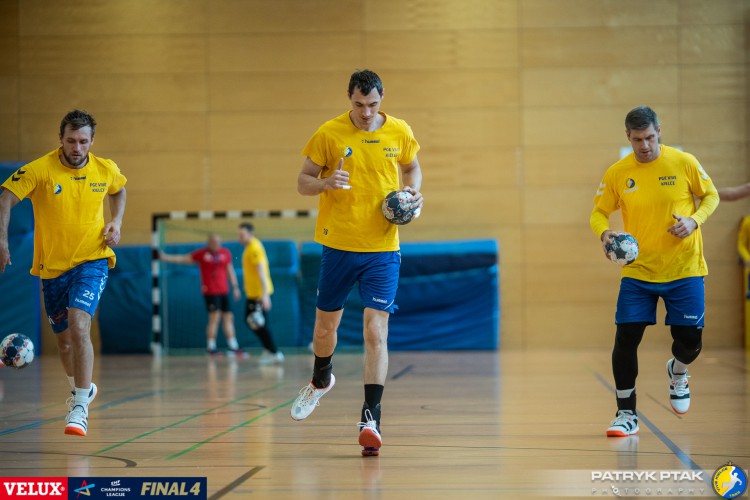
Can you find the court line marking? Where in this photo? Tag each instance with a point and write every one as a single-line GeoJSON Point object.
{"type": "Point", "coordinates": [231, 486]}
{"type": "Point", "coordinates": [247, 422]}
{"type": "Point", "coordinates": [38, 423]}
{"type": "Point", "coordinates": [684, 457]}
{"type": "Point", "coordinates": [227, 431]}
{"type": "Point", "coordinates": [187, 419]}
{"type": "Point", "coordinates": [403, 372]}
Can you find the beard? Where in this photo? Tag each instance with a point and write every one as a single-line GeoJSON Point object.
{"type": "Point", "coordinates": [75, 163]}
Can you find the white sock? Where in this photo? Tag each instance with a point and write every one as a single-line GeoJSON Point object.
{"type": "Point", "coordinates": [211, 344]}
{"type": "Point", "coordinates": [625, 393]}
{"type": "Point", "coordinates": [72, 382]}
{"type": "Point", "coordinates": [232, 343]}
{"type": "Point", "coordinates": [678, 367]}
{"type": "Point", "coordinates": [82, 397]}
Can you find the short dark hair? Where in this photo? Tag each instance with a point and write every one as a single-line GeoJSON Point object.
{"type": "Point", "coordinates": [78, 119]}
{"type": "Point", "coordinates": [365, 80]}
{"type": "Point", "coordinates": [247, 227]}
{"type": "Point", "coordinates": [640, 118]}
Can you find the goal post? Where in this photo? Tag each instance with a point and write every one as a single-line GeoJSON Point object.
{"type": "Point", "coordinates": [283, 229]}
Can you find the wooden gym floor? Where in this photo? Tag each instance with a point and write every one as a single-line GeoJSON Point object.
{"type": "Point", "coordinates": [455, 424]}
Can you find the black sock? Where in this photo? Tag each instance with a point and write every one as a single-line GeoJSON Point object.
{"type": "Point", "coordinates": [373, 395]}
{"type": "Point", "coordinates": [627, 403]}
{"type": "Point", "coordinates": [322, 372]}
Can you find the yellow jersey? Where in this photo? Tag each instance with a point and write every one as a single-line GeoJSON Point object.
{"type": "Point", "coordinates": [253, 255]}
{"type": "Point", "coordinates": [352, 219]}
{"type": "Point", "coordinates": [648, 194]}
{"type": "Point", "coordinates": [68, 210]}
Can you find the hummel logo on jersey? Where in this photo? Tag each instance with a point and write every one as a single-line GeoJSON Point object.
{"type": "Point", "coordinates": [21, 171]}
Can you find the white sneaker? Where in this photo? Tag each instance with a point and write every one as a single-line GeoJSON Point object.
{"type": "Point", "coordinates": [679, 392]}
{"type": "Point", "coordinates": [624, 424]}
{"type": "Point", "coordinates": [77, 421]}
{"type": "Point", "coordinates": [268, 358]}
{"type": "Point", "coordinates": [92, 394]}
{"type": "Point", "coordinates": [369, 436]}
{"type": "Point", "coordinates": [308, 399]}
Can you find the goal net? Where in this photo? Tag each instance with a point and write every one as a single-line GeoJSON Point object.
{"type": "Point", "coordinates": [179, 310]}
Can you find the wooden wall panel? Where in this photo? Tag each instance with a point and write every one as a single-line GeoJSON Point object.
{"type": "Point", "coordinates": [601, 86]}
{"type": "Point", "coordinates": [112, 54]}
{"type": "Point", "coordinates": [284, 16]}
{"type": "Point", "coordinates": [470, 88]}
{"type": "Point", "coordinates": [9, 91]}
{"type": "Point", "coordinates": [457, 168]}
{"type": "Point", "coordinates": [441, 49]}
{"type": "Point", "coordinates": [568, 326]}
{"type": "Point", "coordinates": [570, 284]}
{"type": "Point", "coordinates": [595, 13]}
{"type": "Point", "coordinates": [246, 131]}
{"type": "Point", "coordinates": [274, 91]}
{"type": "Point", "coordinates": [710, 44]}
{"type": "Point", "coordinates": [9, 61]}
{"type": "Point", "coordinates": [9, 137]}
{"type": "Point", "coordinates": [9, 18]}
{"type": "Point", "coordinates": [589, 126]}
{"type": "Point", "coordinates": [718, 12]}
{"type": "Point", "coordinates": [289, 52]}
{"type": "Point", "coordinates": [703, 83]}
{"type": "Point", "coordinates": [113, 17]}
{"type": "Point", "coordinates": [115, 93]}
{"type": "Point", "coordinates": [428, 15]}
{"type": "Point", "coordinates": [566, 165]}
{"type": "Point", "coordinates": [119, 132]}
{"type": "Point", "coordinates": [726, 124]}
{"type": "Point", "coordinates": [599, 46]}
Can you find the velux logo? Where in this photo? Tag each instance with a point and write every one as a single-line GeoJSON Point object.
{"type": "Point", "coordinates": [33, 487]}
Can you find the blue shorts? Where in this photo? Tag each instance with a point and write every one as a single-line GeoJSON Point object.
{"type": "Point", "coordinates": [684, 300]}
{"type": "Point", "coordinates": [376, 272]}
{"type": "Point", "coordinates": [80, 287]}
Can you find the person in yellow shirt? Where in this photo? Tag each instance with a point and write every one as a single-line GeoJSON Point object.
{"type": "Point", "coordinates": [655, 187]}
{"type": "Point", "coordinates": [352, 162]}
{"type": "Point", "coordinates": [256, 277]}
{"type": "Point", "coordinates": [72, 245]}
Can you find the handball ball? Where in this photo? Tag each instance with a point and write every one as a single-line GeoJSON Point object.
{"type": "Point", "coordinates": [396, 208]}
{"type": "Point", "coordinates": [623, 250]}
{"type": "Point", "coordinates": [17, 351]}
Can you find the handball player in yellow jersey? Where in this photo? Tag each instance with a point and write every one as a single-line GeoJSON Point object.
{"type": "Point", "coordinates": [655, 187]}
{"type": "Point", "coordinates": [353, 161]}
{"type": "Point", "coordinates": [72, 243]}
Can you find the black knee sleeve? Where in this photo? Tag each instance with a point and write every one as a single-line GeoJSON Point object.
{"type": "Point", "coordinates": [688, 342]}
{"type": "Point", "coordinates": [625, 354]}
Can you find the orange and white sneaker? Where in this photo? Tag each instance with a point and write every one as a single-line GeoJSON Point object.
{"type": "Point", "coordinates": [369, 434]}
{"type": "Point", "coordinates": [624, 424]}
{"type": "Point", "coordinates": [77, 421]}
{"type": "Point", "coordinates": [679, 392]}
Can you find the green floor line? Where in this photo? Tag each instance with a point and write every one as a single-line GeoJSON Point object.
{"type": "Point", "coordinates": [227, 431]}
{"type": "Point", "coordinates": [187, 419]}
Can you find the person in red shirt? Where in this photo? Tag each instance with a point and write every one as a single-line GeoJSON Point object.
{"type": "Point", "coordinates": [215, 263]}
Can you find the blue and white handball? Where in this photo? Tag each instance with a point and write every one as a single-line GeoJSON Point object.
{"type": "Point", "coordinates": [623, 250]}
{"type": "Point", "coordinates": [17, 351]}
{"type": "Point", "coordinates": [396, 208]}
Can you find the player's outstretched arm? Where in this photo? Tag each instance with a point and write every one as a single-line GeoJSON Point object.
{"type": "Point", "coordinates": [735, 193]}
{"type": "Point", "coordinates": [117, 208]}
{"type": "Point", "coordinates": [175, 259]}
{"type": "Point", "coordinates": [8, 200]}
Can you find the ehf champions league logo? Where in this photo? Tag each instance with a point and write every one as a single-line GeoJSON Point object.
{"type": "Point", "coordinates": [346, 151]}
